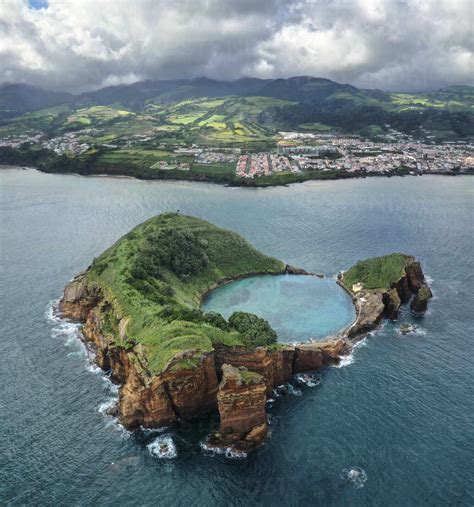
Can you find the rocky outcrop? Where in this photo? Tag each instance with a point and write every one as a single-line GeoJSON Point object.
{"type": "Point", "coordinates": [142, 404]}
{"type": "Point", "coordinates": [372, 305]}
{"type": "Point", "coordinates": [419, 303]}
{"type": "Point", "coordinates": [78, 298]}
{"type": "Point", "coordinates": [312, 356]}
{"type": "Point", "coordinates": [370, 309]}
{"type": "Point", "coordinates": [193, 390]}
{"type": "Point", "coordinates": [189, 384]}
{"type": "Point", "coordinates": [292, 270]}
{"type": "Point", "coordinates": [392, 303]}
{"type": "Point", "coordinates": [415, 276]}
{"type": "Point", "coordinates": [241, 402]}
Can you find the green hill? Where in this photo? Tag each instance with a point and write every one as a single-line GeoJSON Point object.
{"type": "Point", "coordinates": [377, 272]}
{"type": "Point", "coordinates": [155, 276]}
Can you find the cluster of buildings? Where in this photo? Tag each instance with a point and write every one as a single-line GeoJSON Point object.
{"type": "Point", "coordinates": [296, 152]}
{"type": "Point", "coordinates": [215, 157]}
{"type": "Point", "coordinates": [66, 144]}
{"type": "Point", "coordinates": [164, 165]}
{"type": "Point", "coordinates": [15, 141]}
{"type": "Point", "coordinates": [264, 164]}
{"type": "Point", "coordinates": [69, 143]}
{"type": "Point", "coordinates": [209, 155]}
{"type": "Point", "coordinates": [357, 155]}
{"type": "Point", "coordinates": [330, 152]}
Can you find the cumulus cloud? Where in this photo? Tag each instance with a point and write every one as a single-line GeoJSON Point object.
{"type": "Point", "coordinates": [390, 44]}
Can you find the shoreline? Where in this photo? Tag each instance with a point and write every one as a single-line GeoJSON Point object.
{"type": "Point", "coordinates": [233, 377]}
{"type": "Point", "coordinates": [244, 183]}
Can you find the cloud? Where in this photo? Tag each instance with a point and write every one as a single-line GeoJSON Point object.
{"type": "Point", "coordinates": [391, 44]}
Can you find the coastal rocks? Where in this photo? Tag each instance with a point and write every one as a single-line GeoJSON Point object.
{"type": "Point", "coordinates": [415, 276]}
{"type": "Point", "coordinates": [402, 288]}
{"type": "Point", "coordinates": [312, 356]}
{"type": "Point", "coordinates": [392, 303]}
{"type": "Point", "coordinates": [241, 402]}
{"type": "Point", "coordinates": [282, 365]}
{"type": "Point", "coordinates": [292, 270]}
{"type": "Point", "coordinates": [370, 308]}
{"type": "Point", "coordinates": [258, 360]}
{"type": "Point", "coordinates": [406, 328]}
{"type": "Point", "coordinates": [419, 303]}
{"type": "Point", "coordinates": [78, 298]}
{"type": "Point", "coordinates": [193, 390]}
{"type": "Point", "coordinates": [144, 405]}
{"type": "Point", "coordinates": [372, 304]}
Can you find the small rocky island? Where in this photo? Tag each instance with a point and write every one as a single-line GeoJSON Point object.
{"type": "Point", "coordinates": [140, 305]}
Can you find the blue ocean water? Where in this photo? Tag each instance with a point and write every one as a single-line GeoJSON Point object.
{"type": "Point", "coordinates": [394, 427]}
{"type": "Point", "coordinates": [299, 308]}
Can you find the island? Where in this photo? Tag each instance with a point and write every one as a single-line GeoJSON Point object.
{"type": "Point", "coordinates": [140, 302]}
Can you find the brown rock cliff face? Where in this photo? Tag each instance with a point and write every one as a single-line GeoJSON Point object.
{"type": "Point", "coordinates": [192, 391]}
{"type": "Point", "coordinates": [241, 402]}
{"type": "Point", "coordinates": [181, 391]}
{"type": "Point", "coordinates": [78, 300]}
{"type": "Point", "coordinates": [144, 405]}
{"type": "Point", "coordinates": [159, 400]}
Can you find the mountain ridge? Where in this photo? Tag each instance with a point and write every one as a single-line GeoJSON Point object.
{"type": "Point", "coordinates": [19, 98]}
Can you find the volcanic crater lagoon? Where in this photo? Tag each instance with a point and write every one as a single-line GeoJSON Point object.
{"type": "Point", "coordinates": [392, 427]}
{"type": "Point", "coordinates": [298, 307]}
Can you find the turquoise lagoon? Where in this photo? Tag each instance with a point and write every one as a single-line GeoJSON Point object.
{"type": "Point", "coordinates": [298, 307]}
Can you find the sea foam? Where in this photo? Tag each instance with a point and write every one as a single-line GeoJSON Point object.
{"type": "Point", "coordinates": [70, 334]}
{"type": "Point", "coordinates": [225, 451]}
{"type": "Point", "coordinates": [163, 447]}
{"type": "Point", "coordinates": [350, 358]}
{"type": "Point", "coordinates": [356, 475]}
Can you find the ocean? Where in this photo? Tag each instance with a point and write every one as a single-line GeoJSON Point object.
{"type": "Point", "coordinates": [392, 426]}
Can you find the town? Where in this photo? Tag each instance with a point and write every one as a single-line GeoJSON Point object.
{"type": "Point", "coordinates": [293, 152]}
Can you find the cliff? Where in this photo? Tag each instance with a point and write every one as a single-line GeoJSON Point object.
{"type": "Point", "coordinates": [380, 286]}
{"type": "Point", "coordinates": [188, 385]}
{"type": "Point", "coordinates": [140, 304]}
{"type": "Point", "coordinates": [241, 401]}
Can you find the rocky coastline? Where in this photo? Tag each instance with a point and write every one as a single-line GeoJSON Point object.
{"type": "Point", "coordinates": [227, 377]}
{"type": "Point", "coordinates": [235, 381]}
{"type": "Point", "coordinates": [372, 305]}
{"type": "Point", "coordinates": [154, 401]}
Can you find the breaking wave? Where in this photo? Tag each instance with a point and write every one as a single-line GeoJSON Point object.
{"type": "Point", "coordinates": [308, 379]}
{"type": "Point", "coordinates": [412, 330]}
{"type": "Point", "coordinates": [350, 358]}
{"type": "Point", "coordinates": [163, 447]}
{"type": "Point", "coordinates": [356, 475]}
{"type": "Point", "coordinates": [70, 334]}
{"type": "Point", "coordinates": [286, 389]}
{"type": "Point", "coordinates": [106, 407]}
{"type": "Point", "coordinates": [226, 451]}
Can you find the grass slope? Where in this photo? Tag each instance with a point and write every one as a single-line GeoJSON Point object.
{"type": "Point", "coordinates": [377, 272]}
{"type": "Point", "coordinates": [163, 307]}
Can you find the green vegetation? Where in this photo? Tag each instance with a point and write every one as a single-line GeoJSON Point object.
{"type": "Point", "coordinates": [156, 275]}
{"type": "Point", "coordinates": [376, 273]}
{"type": "Point", "coordinates": [249, 377]}
{"type": "Point", "coordinates": [316, 127]}
{"type": "Point", "coordinates": [133, 130]}
{"type": "Point", "coordinates": [254, 330]}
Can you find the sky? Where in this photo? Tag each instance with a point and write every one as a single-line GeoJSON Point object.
{"type": "Point", "coordinates": [80, 45]}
